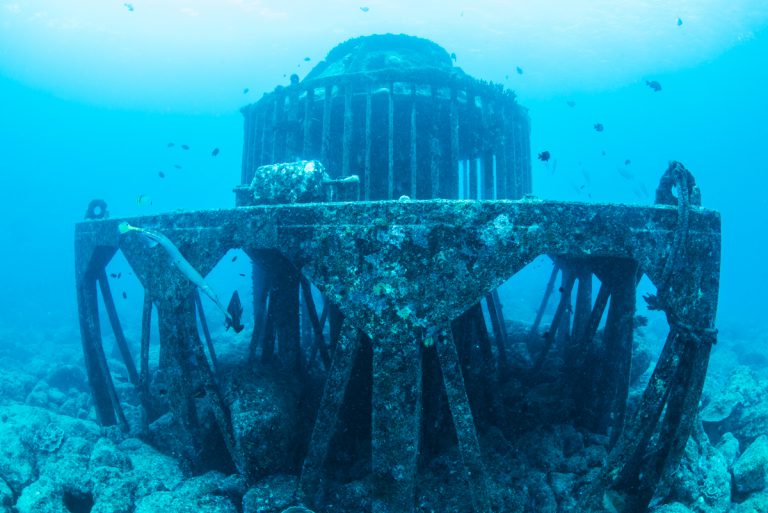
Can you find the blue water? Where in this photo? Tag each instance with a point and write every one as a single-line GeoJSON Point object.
{"type": "Point", "coordinates": [65, 139]}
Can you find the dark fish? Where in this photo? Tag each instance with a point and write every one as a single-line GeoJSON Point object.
{"type": "Point", "coordinates": [653, 84]}
{"type": "Point", "coordinates": [453, 56]}
{"type": "Point", "coordinates": [129, 7]}
{"type": "Point", "coordinates": [679, 21]}
{"type": "Point", "coordinates": [184, 147]}
{"type": "Point", "coordinates": [602, 152]}
{"type": "Point", "coordinates": [242, 274]}
{"type": "Point", "coordinates": [599, 127]}
{"type": "Point", "coordinates": [245, 91]}
{"type": "Point", "coordinates": [234, 258]}
{"type": "Point", "coordinates": [161, 174]}
{"type": "Point", "coordinates": [506, 77]}
{"type": "Point", "coordinates": [125, 296]}
{"type": "Point", "coordinates": [365, 9]}
{"type": "Point", "coordinates": [544, 156]}
{"type": "Point", "coordinates": [215, 152]}
{"type": "Point", "coordinates": [119, 275]}
{"type": "Point", "coordinates": [307, 59]}
{"type": "Point", "coordinates": [113, 275]}
{"type": "Point", "coordinates": [571, 103]}
{"type": "Point", "coordinates": [177, 166]}
{"type": "Point", "coordinates": [627, 162]}
{"type": "Point", "coordinates": [235, 311]}
{"type": "Point", "coordinates": [519, 70]}
{"type": "Point", "coordinates": [199, 393]}
{"type": "Point", "coordinates": [171, 145]}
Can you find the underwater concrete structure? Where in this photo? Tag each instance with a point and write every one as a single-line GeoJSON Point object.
{"type": "Point", "coordinates": [407, 222]}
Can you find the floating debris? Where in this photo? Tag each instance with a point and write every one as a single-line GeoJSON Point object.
{"type": "Point", "coordinates": [599, 128]}
{"type": "Point", "coordinates": [625, 173]}
{"type": "Point", "coordinates": [627, 162]}
{"type": "Point", "coordinates": [571, 103]}
{"type": "Point", "coordinates": [177, 166]}
{"type": "Point", "coordinates": [307, 59]}
{"type": "Point", "coordinates": [215, 152]}
{"type": "Point", "coordinates": [125, 296]}
{"type": "Point", "coordinates": [128, 6]}
{"type": "Point", "coordinates": [143, 200]}
{"type": "Point", "coordinates": [365, 9]}
{"type": "Point", "coordinates": [544, 156]}
{"type": "Point", "coordinates": [184, 147]}
{"type": "Point", "coordinates": [679, 22]}
{"type": "Point", "coordinates": [653, 84]}
{"type": "Point", "coordinates": [603, 153]}
{"type": "Point", "coordinates": [519, 70]}
{"type": "Point", "coordinates": [171, 145]}
{"type": "Point", "coordinates": [161, 174]}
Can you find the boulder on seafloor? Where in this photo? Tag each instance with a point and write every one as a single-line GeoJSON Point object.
{"type": "Point", "coordinates": [673, 507]}
{"type": "Point", "coordinates": [56, 464]}
{"type": "Point", "coordinates": [738, 405]}
{"type": "Point", "coordinates": [750, 472]}
{"type": "Point", "coordinates": [701, 479]}
{"type": "Point", "coordinates": [730, 448]}
{"type": "Point", "coordinates": [272, 494]}
{"type": "Point", "coordinates": [212, 492]}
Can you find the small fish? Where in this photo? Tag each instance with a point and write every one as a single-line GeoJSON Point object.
{"type": "Point", "coordinates": [119, 275]}
{"type": "Point", "coordinates": [627, 162]}
{"type": "Point", "coordinates": [113, 275]}
{"type": "Point", "coordinates": [599, 127]}
{"type": "Point", "coordinates": [307, 59]}
{"type": "Point", "coordinates": [653, 84]}
{"type": "Point", "coordinates": [128, 6]}
{"type": "Point", "coordinates": [365, 9]}
{"type": "Point", "coordinates": [242, 274]}
{"type": "Point", "coordinates": [125, 296]}
{"type": "Point", "coordinates": [246, 90]}
{"type": "Point", "coordinates": [199, 393]}
{"type": "Point", "coordinates": [177, 166]}
{"type": "Point", "coordinates": [571, 103]}
{"type": "Point", "coordinates": [603, 153]}
{"type": "Point", "coordinates": [453, 56]}
{"type": "Point", "coordinates": [170, 145]}
{"type": "Point", "coordinates": [215, 152]}
{"type": "Point", "coordinates": [544, 156]}
{"type": "Point", "coordinates": [506, 77]}
{"type": "Point", "coordinates": [234, 258]}
{"type": "Point", "coordinates": [679, 21]}
{"type": "Point", "coordinates": [235, 311]}
{"type": "Point", "coordinates": [143, 199]}
{"type": "Point", "coordinates": [519, 70]}
{"type": "Point", "coordinates": [161, 174]}
{"type": "Point", "coordinates": [184, 147]}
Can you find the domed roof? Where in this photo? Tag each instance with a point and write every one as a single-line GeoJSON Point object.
{"type": "Point", "coordinates": [383, 53]}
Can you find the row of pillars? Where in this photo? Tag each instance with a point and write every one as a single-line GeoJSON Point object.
{"type": "Point", "coordinates": [599, 391]}
{"type": "Point", "coordinates": [398, 144]}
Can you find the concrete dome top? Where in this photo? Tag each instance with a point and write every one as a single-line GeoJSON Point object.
{"type": "Point", "coordinates": [383, 54]}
